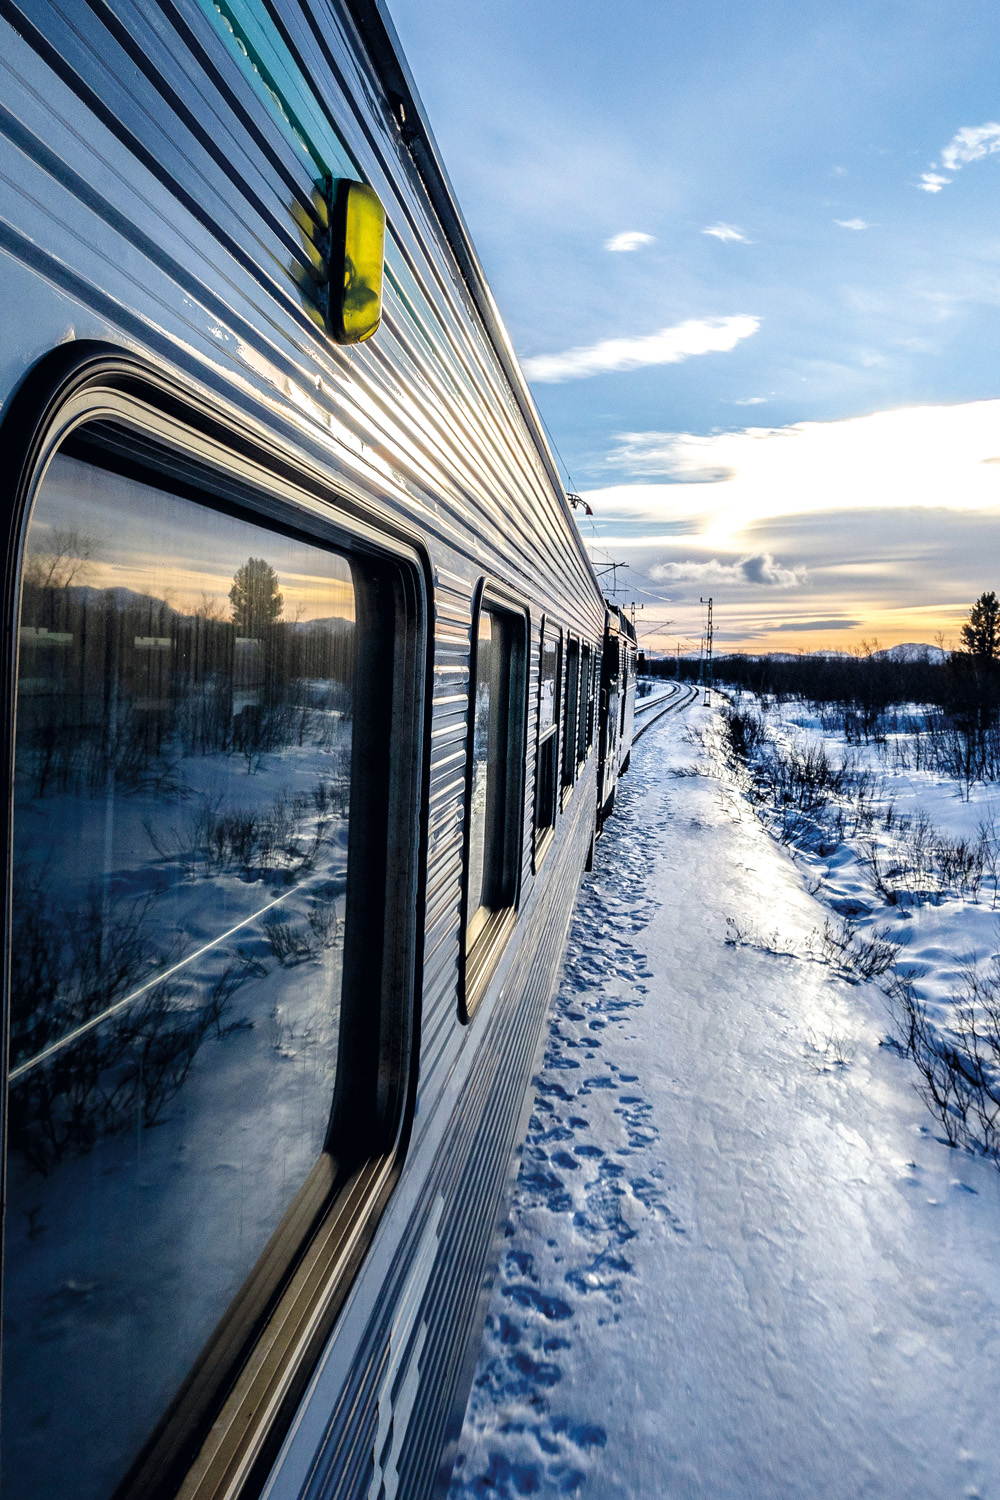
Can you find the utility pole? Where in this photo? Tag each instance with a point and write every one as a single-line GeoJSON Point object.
{"type": "Point", "coordinates": [612, 568]}
{"type": "Point", "coordinates": [709, 679]}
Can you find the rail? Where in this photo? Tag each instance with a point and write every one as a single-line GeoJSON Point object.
{"type": "Point", "coordinates": [679, 697]}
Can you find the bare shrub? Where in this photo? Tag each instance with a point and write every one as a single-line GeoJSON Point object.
{"type": "Point", "coordinates": [277, 841]}
{"type": "Point", "coordinates": [294, 943]}
{"type": "Point", "coordinates": [857, 956]}
{"type": "Point", "coordinates": [959, 1064]}
{"type": "Point", "coordinates": [924, 865]}
{"type": "Point", "coordinates": [69, 969]}
{"type": "Point", "coordinates": [830, 1051]}
{"type": "Point", "coordinates": [745, 730]}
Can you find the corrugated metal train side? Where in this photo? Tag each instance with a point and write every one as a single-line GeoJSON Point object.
{"type": "Point", "coordinates": [159, 172]}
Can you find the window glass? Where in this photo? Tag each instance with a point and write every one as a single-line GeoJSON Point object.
{"type": "Point", "coordinates": [586, 702]}
{"type": "Point", "coordinates": [547, 771]}
{"type": "Point", "coordinates": [548, 668]}
{"type": "Point", "coordinates": [570, 711]}
{"type": "Point", "coordinates": [182, 794]}
{"type": "Point", "coordinates": [495, 800]}
{"type": "Point", "coordinates": [478, 802]}
{"type": "Point", "coordinates": [623, 661]}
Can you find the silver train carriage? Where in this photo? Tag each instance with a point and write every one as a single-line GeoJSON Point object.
{"type": "Point", "coordinates": [305, 664]}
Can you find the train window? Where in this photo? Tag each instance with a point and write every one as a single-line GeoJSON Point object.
{"type": "Point", "coordinates": [623, 664]}
{"type": "Point", "coordinates": [495, 797]}
{"type": "Point", "coordinates": [547, 765]}
{"type": "Point", "coordinates": [184, 799]}
{"type": "Point", "coordinates": [571, 712]}
{"type": "Point", "coordinates": [586, 700]}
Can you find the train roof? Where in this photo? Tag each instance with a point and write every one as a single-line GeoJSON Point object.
{"type": "Point", "coordinates": [385, 53]}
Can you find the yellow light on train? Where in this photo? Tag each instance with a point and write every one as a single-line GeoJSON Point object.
{"type": "Point", "coordinates": [357, 256]}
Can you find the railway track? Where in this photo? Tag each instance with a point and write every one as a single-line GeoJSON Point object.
{"type": "Point", "coordinates": [649, 711]}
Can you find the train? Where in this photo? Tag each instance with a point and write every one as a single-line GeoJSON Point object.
{"type": "Point", "coordinates": [315, 709]}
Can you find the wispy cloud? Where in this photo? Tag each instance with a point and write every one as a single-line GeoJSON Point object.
{"type": "Point", "coordinates": [750, 401]}
{"type": "Point", "coordinates": [678, 456]}
{"type": "Point", "coordinates": [726, 232]}
{"type": "Point", "coordinates": [835, 623]}
{"type": "Point", "coordinates": [852, 223]}
{"type": "Point", "coordinates": [932, 182]}
{"type": "Point", "coordinates": [968, 144]}
{"type": "Point", "coordinates": [629, 239]}
{"type": "Point", "coordinates": [723, 482]}
{"type": "Point", "coordinates": [668, 347]}
{"type": "Point", "coordinates": [756, 568]}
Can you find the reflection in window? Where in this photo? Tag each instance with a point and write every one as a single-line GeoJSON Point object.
{"type": "Point", "coordinates": [570, 711]}
{"type": "Point", "coordinates": [478, 802]}
{"type": "Point", "coordinates": [623, 660]}
{"type": "Point", "coordinates": [583, 730]}
{"type": "Point", "coordinates": [495, 781]}
{"type": "Point", "coordinates": [546, 775]}
{"type": "Point", "coordinates": [595, 689]}
{"type": "Point", "coordinates": [182, 790]}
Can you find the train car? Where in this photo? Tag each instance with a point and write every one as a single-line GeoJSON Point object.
{"type": "Point", "coordinates": [303, 659]}
{"type": "Point", "coordinates": [617, 708]}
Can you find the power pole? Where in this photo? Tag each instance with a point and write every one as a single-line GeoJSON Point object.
{"type": "Point", "coordinates": [709, 678]}
{"type": "Point", "coordinates": [612, 568]}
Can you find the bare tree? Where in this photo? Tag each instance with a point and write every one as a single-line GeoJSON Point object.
{"type": "Point", "coordinates": [63, 562]}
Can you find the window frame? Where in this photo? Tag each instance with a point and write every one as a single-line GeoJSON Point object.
{"type": "Point", "coordinates": [227, 1421]}
{"type": "Point", "coordinates": [481, 952]}
{"type": "Point", "coordinates": [544, 833]}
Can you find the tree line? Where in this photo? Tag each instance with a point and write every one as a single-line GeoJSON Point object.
{"type": "Point", "coordinates": [959, 691]}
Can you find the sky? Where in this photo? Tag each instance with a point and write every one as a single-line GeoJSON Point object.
{"type": "Point", "coordinates": [183, 554]}
{"type": "Point", "coordinates": [749, 257]}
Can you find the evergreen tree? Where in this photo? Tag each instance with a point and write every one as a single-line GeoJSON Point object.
{"type": "Point", "coordinates": [981, 633]}
{"type": "Point", "coordinates": [256, 602]}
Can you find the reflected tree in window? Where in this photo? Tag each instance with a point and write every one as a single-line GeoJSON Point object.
{"type": "Point", "coordinates": [256, 599]}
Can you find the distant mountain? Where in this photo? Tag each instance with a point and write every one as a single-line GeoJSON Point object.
{"type": "Point", "coordinates": [911, 651]}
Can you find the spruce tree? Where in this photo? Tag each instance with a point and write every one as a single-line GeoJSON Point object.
{"type": "Point", "coordinates": [256, 602]}
{"type": "Point", "coordinates": [981, 632]}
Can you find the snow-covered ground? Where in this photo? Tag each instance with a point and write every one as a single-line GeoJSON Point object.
{"type": "Point", "coordinates": [740, 1264]}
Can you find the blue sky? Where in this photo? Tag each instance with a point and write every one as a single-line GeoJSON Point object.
{"type": "Point", "coordinates": [818, 191]}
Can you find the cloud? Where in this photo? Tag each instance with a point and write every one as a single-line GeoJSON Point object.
{"type": "Point", "coordinates": [629, 239]}
{"type": "Point", "coordinates": [852, 223]}
{"type": "Point", "coordinates": [751, 401]}
{"type": "Point", "coordinates": [668, 347]}
{"type": "Point", "coordinates": [834, 624]}
{"type": "Point", "coordinates": [932, 182]}
{"type": "Point", "coordinates": [723, 482]}
{"type": "Point", "coordinates": [757, 568]}
{"type": "Point", "coordinates": [726, 232]}
{"type": "Point", "coordinates": [680, 457]}
{"type": "Point", "coordinates": [968, 144]}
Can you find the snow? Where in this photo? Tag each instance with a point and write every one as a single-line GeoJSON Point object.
{"type": "Point", "coordinates": [911, 651]}
{"type": "Point", "coordinates": [740, 1265]}
{"type": "Point", "coordinates": [940, 930]}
